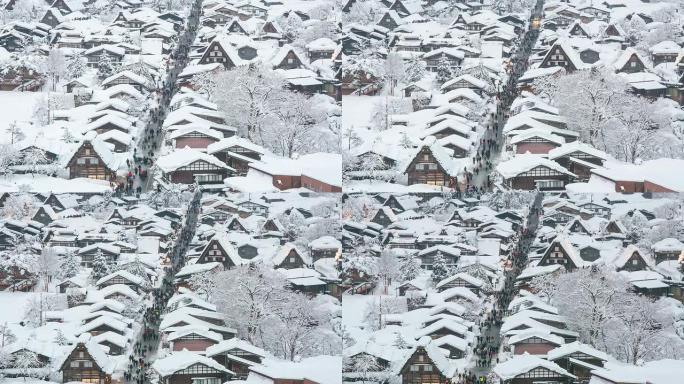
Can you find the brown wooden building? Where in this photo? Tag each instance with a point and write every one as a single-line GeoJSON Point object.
{"type": "Point", "coordinates": [219, 249]}
{"type": "Point", "coordinates": [189, 165]}
{"type": "Point", "coordinates": [185, 367]}
{"type": "Point", "coordinates": [431, 165]}
{"type": "Point", "coordinates": [93, 160]}
{"type": "Point", "coordinates": [86, 363]}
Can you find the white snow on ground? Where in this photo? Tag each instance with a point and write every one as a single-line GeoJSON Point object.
{"type": "Point", "coordinates": [18, 107]}
{"type": "Point", "coordinates": [45, 184]}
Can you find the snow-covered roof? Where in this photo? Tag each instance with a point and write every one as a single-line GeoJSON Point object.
{"type": "Point", "coordinates": [95, 351]}
{"type": "Point", "coordinates": [525, 162]}
{"type": "Point", "coordinates": [668, 245]}
{"type": "Point", "coordinates": [191, 269]}
{"type": "Point", "coordinates": [325, 242]}
{"type": "Point", "coordinates": [480, 84]}
{"type": "Point", "coordinates": [320, 369]}
{"type": "Point", "coordinates": [196, 128]}
{"type": "Point", "coordinates": [463, 276]}
{"type": "Point", "coordinates": [321, 44]}
{"type": "Point", "coordinates": [576, 146]}
{"type": "Point", "coordinates": [127, 74]}
{"type": "Point", "coordinates": [665, 47]}
{"type": "Point", "coordinates": [137, 280]}
{"type": "Point", "coordinates": [233, 141]}
{"type": "Point", "coordinates": [234, 343]}
{"type": "Point", "coordinates": [533, 132]}
{"type": "Point", "coordinates": [186, 156]}
{"type": "Point", "coordinates": [538, 333]}
{"type": "Point", "coordinates": [194, 329]}
{"type": "Point", "coordinates": [624, 57]}
{"type": "Point", "coordinates": [179, 360]}
{"type": "Point", "coordinates": [520, 364]}
{"type": "Point", "coordinates": [574, 347]}
{"type": "Point", "coordinates": [570, 52]}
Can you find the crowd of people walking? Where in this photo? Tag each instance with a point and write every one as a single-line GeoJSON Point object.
{"type": "Point", "coordinates": [488, 344]}
{"type": "Point", "coordinates": [478, 179]}
{"type": "Point", "coordinates": [151, 139]}
{"type": "Point", "coordinates": [148, 342]}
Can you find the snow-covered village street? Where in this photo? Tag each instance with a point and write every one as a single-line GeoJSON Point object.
{"type": "Point", "coordinates": [341, 192]}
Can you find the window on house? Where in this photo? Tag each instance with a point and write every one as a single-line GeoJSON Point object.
{"type": "Point", "coordinates": [415, 368]}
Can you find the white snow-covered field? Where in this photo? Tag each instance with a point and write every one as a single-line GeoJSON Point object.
{"type": "Point", "coordinates": [17, 107]}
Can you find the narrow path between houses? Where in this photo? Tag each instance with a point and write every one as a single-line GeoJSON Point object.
{"type": "Point", "coordinates": [151, 139]}
{"type": "Point", "coordinates": [490, 145]}
{"type": "Point", "coordinates": [489, 343]}
{"type": "Point", "coordinates": [144, 351]}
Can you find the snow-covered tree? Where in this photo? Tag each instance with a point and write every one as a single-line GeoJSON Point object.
{"type": "Point", "coordinates": [37, 306]}
{"type": "Point", "coordinates": [364, 13]}
{"type": "Point", "coordinates": [375, 310]}
{"type": "Point", "coordinates": [33, 158]}
{"type": "Point", "coordinates": [299, 329]}
{"type": "Point", "coordinates": [641, 329]}
{"type": "Point", "coordinates": [298, 120]}
{"type": "Point", "coordinates": [248, 95]}
{"type": "Point", "coordinates": [414, 70]}
{"type": "Point", "coordinates": [8, 156]}
{"type": "Point", "coordinates": [589, 298]}
{"type": "Point", "coordinates": [67, 136]}
{"type": "Point", "coordinates": [245, 295]}
{"type": "Point", "coordinates": [409, 267]}
{"type": "Point", "coordinates": [444, 71]}
{"type": "Point", "coordinates": [100, 266]}
{"type": "Point", "coordinates": [440, 267]}
{"type": "Point", "coordinates": [60, 338]}
{"type": "Point", "coordinates": [48, 265]}
{"type": "Point", "coordinates": [15, 132]}
{"type": "Point", "coordinates": [76, 66]}
{"type": "Point", "coordinates": [546, 286]}
{"type": "Point", "coordinates": [400, 342]}
{"type": "Point", "coordinates": [70, 265]}
{"type": "Point", "coordinates": [203, 283]}
{"type": "Point", "coordinates": [105, 67]}
{"type": "Point", "coordinates": [55, 67]}
{"type": "Point", "coordinates": [366, 369]}
{"type": "Point", "coordinates": [7, 337]}
{"type": "Point", "coordinates": [292, 26]}
{"type": "Point", "coordinates": [394, 71]}
{"type": "Point", "coordinates": [25, 362]}
{"type": "Point", "coordinates": [387, 267]}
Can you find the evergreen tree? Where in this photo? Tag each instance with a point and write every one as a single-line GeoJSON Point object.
{"type": "Point", "coordinates": [60, 339]}
{"type": "Point", "coordinates": [440, 269]}
{"type": "Point", "coordinates": [444, 72]}
{"type": "Point", "coordinates": [406, 142]}
{"type": "Point", "coordinates": [414, 70]}
{"type": "Point", "coordinates": [69, 265]}
{"type": "Point", "coordinates": [76, 67]}
{"type": "Point", "coordinates": [105, 67]}
{"type": "Point", "coordinates": [400, 342]}
{"type": "Point", "coordinates": [68, 137]}
{"type": "Point", "coordinates": [409, 268]}
{"type": "Point", "coordinates": [100, 266]}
